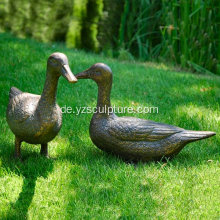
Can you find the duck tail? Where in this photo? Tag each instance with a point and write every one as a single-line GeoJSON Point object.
{"type": "Point", "coordinates": [14, 91]}
{"type": "Point", "coordinates": [191, 136]}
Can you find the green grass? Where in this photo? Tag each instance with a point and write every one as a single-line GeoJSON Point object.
{"type": "Point", "coordinates": [82, 182]}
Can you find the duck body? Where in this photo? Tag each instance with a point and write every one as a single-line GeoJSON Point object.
{"type": "Point", "coordinates": [31, 123]}
{"type": "Point", "coordinates": [37, 119]}
{"type": "Point", "coordinates": [133, 139]}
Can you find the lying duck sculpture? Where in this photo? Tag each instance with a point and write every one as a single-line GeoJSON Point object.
{"type": "Point", "coordinates": [37, 119]}
{"type": "Point", "coordinates": [131, 138]}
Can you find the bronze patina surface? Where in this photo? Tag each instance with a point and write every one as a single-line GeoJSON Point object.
{"type": "Point", "coordinates": [132, 138]}
{"type": "Point", "coordinates": [37, 119]}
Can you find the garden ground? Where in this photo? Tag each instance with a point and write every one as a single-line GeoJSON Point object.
{"type": "Point", "coordinates": [81, 181]}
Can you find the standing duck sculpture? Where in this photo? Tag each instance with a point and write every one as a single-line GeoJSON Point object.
{"type": "Point", "coordinates": [132, 139]}
{"type": "Point", "coordinates": [37, 119]}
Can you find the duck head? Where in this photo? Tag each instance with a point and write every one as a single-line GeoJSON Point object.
{"type": "Point", "coordinates": [58, 64]}
{"type": "Point", "coordinates": [99, 72]}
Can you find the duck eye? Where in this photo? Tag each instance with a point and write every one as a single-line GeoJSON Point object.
{"type": "Point", "coordinates": [53, 62]}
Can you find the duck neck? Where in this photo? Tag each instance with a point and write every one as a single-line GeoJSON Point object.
{"type": "Point", "coordinates": [48, 97]}
{"type": "Point", "coordinates": [104, 91]}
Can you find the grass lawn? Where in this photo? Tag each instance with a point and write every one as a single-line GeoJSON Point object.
{"type": "Point", "coordinates": [82, 182]}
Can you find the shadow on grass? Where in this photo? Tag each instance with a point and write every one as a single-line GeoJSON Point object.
{"type": "Point", "coordinates": [31, 167]}
{"type": "Point", "coordinates": [98, 190]}
{"type": "Point", "coordinates": [101, 182]}
{"type": "Point", "coordinates": [95, 170]}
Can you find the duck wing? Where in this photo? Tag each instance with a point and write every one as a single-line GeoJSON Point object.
{"type": "Point", "coordinates": [22, 106]}
{"type": "Point", "coordinates": [136, 129]}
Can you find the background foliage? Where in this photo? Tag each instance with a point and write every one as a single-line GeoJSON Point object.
{"type": "Point", "coordinates": [180, 31]}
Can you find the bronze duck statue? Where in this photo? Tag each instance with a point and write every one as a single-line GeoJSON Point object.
{"type": "Point", "coordinates": [37, 119]}
{"type": "Point", "coordinates": [132, 139]}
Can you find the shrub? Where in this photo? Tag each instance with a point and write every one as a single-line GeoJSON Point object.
{"type": "Point", "coordinates": [109, 24]}
{"type": "Point", "coordinates": [73, 38]}
{"type": "Point", "coordinates": [90, 24]}
{"type": "Point", "coordinates": [190, 33]}
{"type": "Point", "coordinates": [139, 32]}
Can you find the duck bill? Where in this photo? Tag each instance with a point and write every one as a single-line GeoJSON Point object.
{"type": "Point", "coordinates": [83, 75]}
{"type": "Point", "coordinates": [67, 74]}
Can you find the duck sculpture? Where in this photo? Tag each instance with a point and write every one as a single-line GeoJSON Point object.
{"type": "Point", "coordinates": [37, 119]}
{"type": "Point", "coordinates": [132, 139]}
